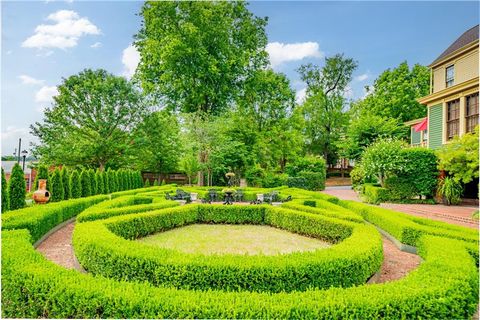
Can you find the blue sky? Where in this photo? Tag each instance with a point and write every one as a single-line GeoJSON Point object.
{"type": "Point", "coordinates": [44, 41]}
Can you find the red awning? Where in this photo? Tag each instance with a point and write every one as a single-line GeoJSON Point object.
{"type": "Point", "coordinates": [421, 126]}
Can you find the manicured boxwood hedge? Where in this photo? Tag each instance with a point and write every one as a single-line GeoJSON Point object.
{"type": "Point", "coordinates": [351, 262]}
{"type": "Point", "coordinates": [39, 219]}
{"type": "Point", "coordinates": [323, 208]}
{"type": "Point", "coordinates": [406, 228]}
{"type": "Point", "coordinates": [445, 286]}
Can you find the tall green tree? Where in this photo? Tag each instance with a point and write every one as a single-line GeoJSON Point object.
{"type": "Point", "coordinates": [106, 181]}
{"type": "Point", "coordinates": [56, 186]}
{"type": "Point", "coordinates": [93, 183]}
{"type": "Point", "coordinates": [395, 92]}
{"type": "Point", "coordinates": [90, 120]}
{"type": "Point", "coordinates": [157, 143]}
{"type": "Point", "coordinates": [86, 183]}
{"type": "Point", "coordinates": [42, 173]}
{"type": "Point", "coordinates": [323, 111]}
{"type": "Point", "coordinates": [5, 199]}
{"type": "Point", "coordinates": [196, 55]}
{"type": "Point", "coordinates": [99, 182]}
{"type": "Point", "coordinates": [66, 183]}
{"type": "Point", "coordinates": [75, 185]}
{"type": "Point", "coordinates": [113, 181]}
{"type": "Point", "coordinates": [17, 188]}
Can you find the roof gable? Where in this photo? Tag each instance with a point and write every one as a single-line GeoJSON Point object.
{"type": "Point", "coordinates": [467, 37]}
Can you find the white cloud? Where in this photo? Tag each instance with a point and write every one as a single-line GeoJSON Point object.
{"type": "Point", "coordinates": [130, 60]}
{"type": "Point", "coordinates": [9, 52]}
{"type": "Point", "coordinates": [348, 92]}
{"type": "Point", "coordinates": [284, 52]}
{"type": "Point", "coordinates": [300, 95]}
{"type": "Point", "coordinates": [96, 45]}
{"type": "Point", "coordinates": [30, 80]}
{"type": "Point", "coordinates": [361, 77]}
{"type": "Point", "coordinates": [66, 29]}
{"type": "Point", "coordinates": [46, 94]}
{"type": "Point", "coordinates": [13, 132]}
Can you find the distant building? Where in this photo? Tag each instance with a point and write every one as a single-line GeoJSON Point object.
{"type": "Point", "coordinates": [453, 100]}
{"type": "Point", "coordinates": [30, 173]}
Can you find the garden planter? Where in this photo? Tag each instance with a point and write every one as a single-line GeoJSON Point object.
{"type": "Point", "coordinates": [260, 197]}
{"type": "Point", "coordinates": [193, 196]}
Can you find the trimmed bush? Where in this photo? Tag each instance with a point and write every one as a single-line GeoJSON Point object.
{"type": "Point", "coordinates": [99, 182]}
{"type": "Point", "coordinates": [75, 185]}
{"type": "Point", "coordinates": [17, 188]}
{"type": "Point", "coordinates": [56, 186]}
{"type": "Point", "coordinates": [93, 183]}
{"type": "Point", "coordinates": [106, 182]}
{"type": "Point", "coordinates": [147, 183]}
{"type": "Point", "coordinates": [41, 219]}
{"type": "Point", "coordinates": [374, 194]}
{"type": "Point", "coordinates": [326, 209]}
{"type": "Point", "coordinates": [5, 198]}
{"type": "Point", "coordinates": [349, 263]}
{"type": "Point", "coordinates": [86, 183]}
{"type": "Point", "coordinates": [64, 175]}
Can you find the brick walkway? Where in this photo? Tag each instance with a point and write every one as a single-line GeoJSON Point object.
{"type": "Point", "coordinates": [459, 215]}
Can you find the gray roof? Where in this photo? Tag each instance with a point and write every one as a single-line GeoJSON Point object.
{"type": "Point", "coordinates": [466, 38]}
{"type": "Point", "coordinates": [8, 166]}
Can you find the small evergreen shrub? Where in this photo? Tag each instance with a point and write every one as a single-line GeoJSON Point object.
{"type": "Point", "coordinates": [147, 183]}
{"type": "Point", "coordinates": [99, 182]}
{"type": "Point", "coordinates": [5, 198]}
{"type": "Point", "coordinates": [86, 183]}
{"type": "Point", "coordinates": [65, 176]}
{"type": "Point", "coordinates": [56, 186]}
{"type": "Point", "coordinates": [17, 188]}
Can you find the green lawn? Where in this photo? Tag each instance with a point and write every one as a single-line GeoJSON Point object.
{"type": "Point", "coordinates": [233, 239]}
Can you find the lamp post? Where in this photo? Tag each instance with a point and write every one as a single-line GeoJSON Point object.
{"type": "Point", "coordinates": [24, 155]}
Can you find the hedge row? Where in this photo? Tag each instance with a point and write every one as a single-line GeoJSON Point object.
{"type": "Point", "coordinates": [134, 207]}
{"type": "Point", "coordinates": [445, 286]}
{"type": "Point", "coordinates": [374, 194]}
{"type": "Point", "coordinates": [40, 219]}
{"type": "Point", "coordinates": [323, 208]}
{"type": "Point", "coordinates": [406, 228]}
{"type": "Point", "coordinates": [101, 251]}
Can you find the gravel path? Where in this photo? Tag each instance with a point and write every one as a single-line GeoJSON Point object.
{"type": "Point", "coordinates": [58, 249]}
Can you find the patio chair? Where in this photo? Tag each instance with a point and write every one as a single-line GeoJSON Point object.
{"type": "Point", "coordinates": [212, 195]}
{"type": "Point", "coordinates": [238, 196]}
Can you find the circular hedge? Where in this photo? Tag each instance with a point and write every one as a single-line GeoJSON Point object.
{"type": "Point", "coordinates": [102, 248]}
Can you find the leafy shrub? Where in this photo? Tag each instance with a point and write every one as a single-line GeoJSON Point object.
{"type": "Point", "coordinates": [93, 183]}
{"type": "Point", "coordinates": [99, 182]}
{"type": "Point", "coordinates": [313, 180]}
{"type": "Point", "coordinates": [56, 186]}
{"type": "Point", "coordinates": [374, 194]}
{"type": "Point", "coordinates": [147, 183]}
{"type": "Point", "coordinates": [450, 190]}
{"type": "Point", "coordinates": [255, 176]}
{"type": "Point", "coordinates": [272, 180]}
{"type": "Point", "coordinates": [17, 188]}
{"type": "Point", "coordinates": [66, 183]}
{"type": "Point", "coordinates": [357, 176]}
{"type": "Point", "coordinates": [106, 182]}
{"type": "Point", "coordinates": [306, 164]}
{"type": "Point", "coordinates": [297, 182]}
{"type": "Point", "coordinates": [86, 184]}
{"type": "Point", "coordinates": [5, 198]}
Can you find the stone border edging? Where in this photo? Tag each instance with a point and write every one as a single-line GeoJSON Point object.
{"type": "Point", "coordinates": [401, 246]}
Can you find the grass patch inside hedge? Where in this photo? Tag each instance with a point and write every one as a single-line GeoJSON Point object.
{"type": "Point", "coordinates": [233, 239]}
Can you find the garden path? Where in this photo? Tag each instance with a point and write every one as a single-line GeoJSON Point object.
{"type": "Point", "coordinates": [459, 215]}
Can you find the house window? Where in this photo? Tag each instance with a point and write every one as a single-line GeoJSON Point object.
{"type": "Point", "coordinates": [471, 113]}
{"type": "Point", "coordinates": [449, 72]}
{"type": "Point", "coordinates": [453, 118]}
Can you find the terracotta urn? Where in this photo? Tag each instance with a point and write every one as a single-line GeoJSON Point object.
{"type": "Point", "coordinates": [42, 194]}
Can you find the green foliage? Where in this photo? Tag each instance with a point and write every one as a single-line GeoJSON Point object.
{"type": "Point", "coordinates": [450, 190]}
{"type": "Point", "coordinates": [417, 177]}
{"type": "Point", "coordinates": [395, 92]}
{"type": "Point", "coordinates": [147, 183]}
{"type": "Point", "coordinates": [366, 129]}
{"type": "Point", "coordinates": [38, 220]}
{"type": "Point", "coordinates": [357, 176]}
{"type": "Point", "coordinates": [155, 183]}
{"type": "Point", "coordinates": [459, 157]}
{"type": "Point", "coordinates": [383, 159]}
{"type": "Point", "coordinates": [224, 39]}
{"type": "Point", "coordinates": [75, 185]}
{"type": "Point", "coordinates": [307, 173]}
{"type": "Point", "coordinates": [306, 164]}
{"type": "Point", "coordinates": [56, 186]}
{"type": "Point", "coordinates": [86, 183]}
{"type": "Point", "coordinates": [65, 176]}
{"type": "Point", "coordinates": [106, 182]}
{"type": "Point", "coordinates": [323, 110]}
{"type": "Point", "coordinates": [5, 197]}
{"type": "Point", "coordinates": [297, 182]}
{"type": "Point", "coordinates": [313, 180]}
{"type": "Point", "coordinates": [42, 173]}
{"type": "Point", "coordinates": [113, 180]}
{"type": "Point", "coordinates": [374, 194]}
{"type": "Point", "coordinates": [231, 273]}
{"type": "Point", "coordinates": [99, 183]}
{"type": "Point", "coordinates": [255, 175]}
{"type": "Point", "coordinates": [93, 183]}
{"type": "Point", "coordinates": [17, 188]}
{"type": "Point", "coordinates": [71, 135]}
